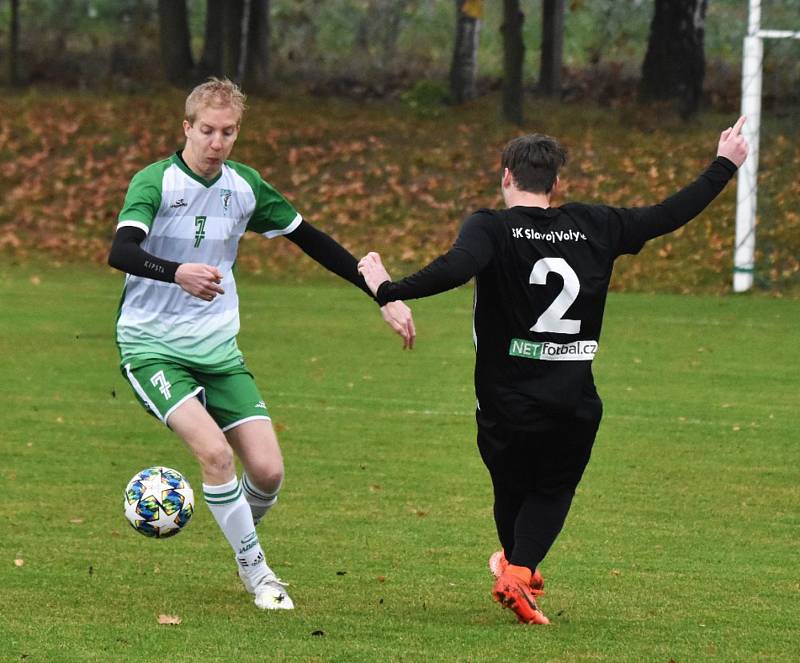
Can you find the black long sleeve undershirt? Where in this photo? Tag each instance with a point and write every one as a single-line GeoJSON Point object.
{"type": "Point", "coordinates": [473, 251]}
{"type": "Point", "coordinates": [446, 272]}
{"type": "Point", "coordinates": [328, 253]}
{"type": "Point", "coordinates": [128, 256]}
{"type": "Point", "coordinates": [681, 207]}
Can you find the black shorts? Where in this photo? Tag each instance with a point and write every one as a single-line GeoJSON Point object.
{"type": "Point", "coordinates": [547, 459]}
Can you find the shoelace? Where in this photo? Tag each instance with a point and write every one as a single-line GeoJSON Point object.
{"type": "Point", "coordinates": [272, 580]}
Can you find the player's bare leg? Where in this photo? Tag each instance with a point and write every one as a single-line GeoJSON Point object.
{"type": "Point", "coordinates": [223, 494]}
{"type": "Point", "coordinates": [257, 446]}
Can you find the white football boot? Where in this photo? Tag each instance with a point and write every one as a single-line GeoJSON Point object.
{"type": "Point", "coordinates": [271, 594]}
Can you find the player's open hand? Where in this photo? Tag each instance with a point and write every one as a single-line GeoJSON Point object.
{"type": "Point", "coordinates": [398, 316]}
{"type": "Point", "coordinates": [200, 280]}
{"type": "Point", "coordinates": [732, 145]}
{"type": "Point", "coordinates": [373, 271]}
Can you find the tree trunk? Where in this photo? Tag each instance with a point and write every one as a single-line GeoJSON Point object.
{"type": "Point", "coordinates": [14, 77]}
{"type": "Point", "coordinates": [464, 69]}
{"type": "Point", "coordinates": [379, 30]}
{"type": "Point", "coordinates": [244, 31]}
{"type": "Point", "coordinates": [211, 62]}
{"type": "Point", "coordinates": [513, 56]}
{"type": "Point", "coordinates": [674, 65]}
{"type": "Point", "coordinates": [256, 73]}
{"type": "Point", "coordinates": [176, 52]}
{"type": "Point", "coordinates": [232, 37]}
{"type": "Point", "coordinates": [552, 47]}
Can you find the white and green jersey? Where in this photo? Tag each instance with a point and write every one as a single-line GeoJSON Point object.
{"type": "Point", "coordinates": [189, 219]}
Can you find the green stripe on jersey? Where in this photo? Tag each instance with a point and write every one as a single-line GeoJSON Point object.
{"type": "Point", "coordinates": [190, 219]}
{"type": "Point", "coordinates": [143, 198]}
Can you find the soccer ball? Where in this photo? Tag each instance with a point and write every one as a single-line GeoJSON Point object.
{"type": "Point", "coordinates": [158, 502]}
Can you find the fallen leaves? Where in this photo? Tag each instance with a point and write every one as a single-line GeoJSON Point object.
{"type": "Point", "coordinates": [378, 179]}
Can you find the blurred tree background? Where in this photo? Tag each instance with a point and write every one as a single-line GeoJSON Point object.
{"type": "Point", "coordinates": [376, 48]}
{"type": "Point", "coordinates": [383, 119]}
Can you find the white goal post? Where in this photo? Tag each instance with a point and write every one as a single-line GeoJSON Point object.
{"type": "Point", "coordinates": [747, 183]}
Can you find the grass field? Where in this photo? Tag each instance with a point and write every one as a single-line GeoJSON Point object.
{"type": "Point", "coordinates": [681, 545]}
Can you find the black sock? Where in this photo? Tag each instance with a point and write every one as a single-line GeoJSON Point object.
{"type": "Point", "coordinates": [539, 522]}
{"type": "Point", "coordinates": [506, 509]}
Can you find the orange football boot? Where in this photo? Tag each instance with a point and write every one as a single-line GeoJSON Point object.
{"type": "Point", "coordinates": [498, 564]}
{"type": "Point", "coordinates": [513, 590]}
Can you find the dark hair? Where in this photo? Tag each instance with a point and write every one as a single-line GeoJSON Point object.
{"type": "Point", "coordinates": [534, 161]}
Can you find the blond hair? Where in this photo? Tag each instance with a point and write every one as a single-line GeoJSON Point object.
{"type": "Point", "coordinates": [215, 92]}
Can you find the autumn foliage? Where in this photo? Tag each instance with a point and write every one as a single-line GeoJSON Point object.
{"type": "Point", "coordinates": [386, 178]}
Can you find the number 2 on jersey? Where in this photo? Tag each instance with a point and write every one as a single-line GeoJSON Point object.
{"type": "Point", "coordinates": [552, 320]}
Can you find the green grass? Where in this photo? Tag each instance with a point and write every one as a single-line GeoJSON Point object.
{"type": "Point", "coordinates": [681, 544]}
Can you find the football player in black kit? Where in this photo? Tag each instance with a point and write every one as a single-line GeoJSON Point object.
{"type": "Point", "coordinates": [542, 274]}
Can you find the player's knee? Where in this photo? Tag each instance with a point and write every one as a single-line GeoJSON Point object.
{"type": "Point", "coordinates": [267, 478]}
{"type": "Point", "coordinates": [217, 459]}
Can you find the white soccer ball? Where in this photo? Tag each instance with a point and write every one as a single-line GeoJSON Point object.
{"type": "Point", "coordinates": [158, 502]}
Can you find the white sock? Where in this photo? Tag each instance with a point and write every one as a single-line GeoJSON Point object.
{"type": "Point", "coordinates": [232, 513]}
{"type": "Point", "coordinates": [259, 501]}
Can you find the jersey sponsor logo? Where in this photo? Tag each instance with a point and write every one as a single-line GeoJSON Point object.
{"type": "Point", "coordinates": [546, 351]}
{"type": "Point", "coordinates": [549, 236]}
{"type": "Point", "coordinates": [179, 203]}
{"type": "Point", "coordinates": [225, 199]}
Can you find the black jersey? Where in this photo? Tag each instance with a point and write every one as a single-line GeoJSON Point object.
{"type": "Point", "coordinates": [542, 277]}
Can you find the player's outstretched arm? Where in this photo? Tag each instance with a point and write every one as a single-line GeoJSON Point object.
{"type": "Point", "coordinates": [641, 224]}
{"type": "Point", "coordinates": [471, 252]}
{"type": "Point", "coordinates": [337, 259]}
{"type": "Point", "coordinates": [327, 252]}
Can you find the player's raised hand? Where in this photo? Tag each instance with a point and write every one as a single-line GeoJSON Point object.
{"type": "Point", "coordinates": [732, 145]}
{"type": "Point", "coordinates": [398, 316]}
{"type": "Point", "coordinates": [199, 280]}
{"type": "Point", "coordinates": [372, 269]}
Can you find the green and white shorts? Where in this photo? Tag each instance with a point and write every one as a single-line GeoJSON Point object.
{"type": "Point", "coordinates": [230, 395]}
